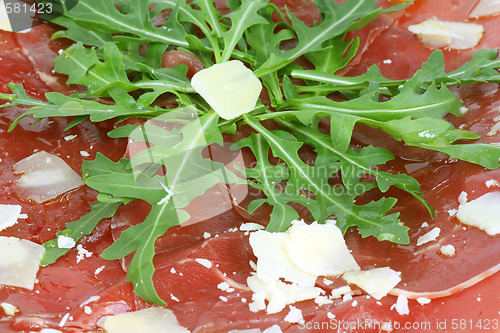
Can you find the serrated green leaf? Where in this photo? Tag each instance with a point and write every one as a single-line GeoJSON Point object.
{"type": "Point", "coordinates": [77, 229]}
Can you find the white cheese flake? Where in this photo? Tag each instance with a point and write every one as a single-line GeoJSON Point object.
{"type": "Point", "coordinates": [223, 286]}
{"type": "Point", "coordinates": [429, 236]}
{"type": "Point", "coordinates": [70, 137]}
{"type": "Point", "coordinates": [99, 269]}
{"type": "Point", "coordinates": [491, 182]}
{"type": "Point", "coordinates": [290, 262]}
{"type": "Point", "coordinates": [339, 292]}
{"type": "Point", "coordinates": [204, 262]}
{"type": "Point", "coordinates": [294, 316]}
{"type": "Point", "coordinates": [82, 253]}
{"type": "Point", "coordinates": [151, 320]}
{"type": "Point", "coordinates": [423, 300]}
{"type": "Point", "coordinates": [9, 309]}
{"type": "Point", "coordinates": [462, 198]}
{"type": "Point", "coordinates": [64, 320]}
{"type": "Point", "coordinates": [447, 250]}
{"type": "Point", "coordinates": [65, 242]}
{"type": "Point", "coordinates": [376, 282]}
{"type": "Point", "coordinates": [319, 249]}
{"type": "Point", "coordinates": [482, 213]}
{"type": "Point", "coordinates": [44, 177]}
{"type": "Point", "coordinates": [322, 300]}
{"type": "Point", "coordinates": [19, 262]}
{"type": "Point", "coordinates": [485, 8]}
{"type": "Point", "coordinates": [9, 214]}
{"type": "Point", "coordinates": [250, 226]}
{"type": "Point", "coordinates": [454, 35]}
{"type": "Point", "coordinates": [402, 305]}
{"type": "Point", "coordinates": [230, 88]}
{"type": "Point", "coordinates": [278, 294]}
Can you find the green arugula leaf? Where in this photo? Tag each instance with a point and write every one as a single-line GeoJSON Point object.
{"type": "Point", "coordinates": [339, 202]}
{"type": "Point", "coordinates": [267, 178]}
{"type": "Point", "coordinates": [241, 19]}
{"type": "Point", "coordinates": [77, 229]}
{"type": "Point", "coordinates": [336, 20]}
{"type": "Point", "coordinates": [482, 68]}
{"type": "Point", "coordinates": [141, 238]}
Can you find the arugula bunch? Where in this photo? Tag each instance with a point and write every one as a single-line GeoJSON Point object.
{"type": "Point", "coordinates": [117, 56]}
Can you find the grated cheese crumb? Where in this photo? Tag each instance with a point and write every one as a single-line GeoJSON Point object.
{"type": "Point", "coordinates": [294, 316]}
{"type": "Point", "coordinates": [82, 253]}
{"type": "Point", "coordinates": [447, 250]}
{"type": "Point", "coordinates": [401, 305]}
{"type": "Point", "coordinates": [99, 270]}
{"type": "Point", "coordinates": [491, 182]}
{"type": "Point", "coordinates": [9, 309]}
{"type": "Point", "coordinates": [462, 198]}
{"type": "Point", "coordinates": [223, 286]}
{"type": "Point", "coordinates": [64, 320]}
{"type": "Point", "coordinates": [423, 300]}
{"type": "Point", "coordinates": [429, 237]}
{"type": "Point", "coordinates": [69, 137]}
{"type": "Point", "coordinates": [204, 262]}
{"type": "Point", "coordinates": [65, 242]}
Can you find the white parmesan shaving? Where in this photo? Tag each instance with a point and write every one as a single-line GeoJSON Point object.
{"type": "Point", "coordinates": [82, 253]}
{"type": "Point", "coordinates": [151, 320]}
{"type": "Point", "coordinates": [462, 198]}
{"type": "Point", "coordinates": [70, 137]}
{"type": "Point", "coordinates": [19, 262]}
{"type": "Point", "coordinates": [339, 292]}
{"type": "Point", "coordinates": [290, 262]}
{"type": "Point", "coordinates": [423, 300]}
{"type": "Point", "coordinates": [402, 305]}
{"type": "Point", "coordinates": [204, 262]}
{"type": "Point", "coordinates": [251, 226]}
{"type": "Point", "coordinates": [482, 213]}
{"type": "Point", "coordinates": [376, 282]}
{"type": "Point", "coordinates": [485, 8]}
{"type": "Point", "coordinates": [322, 300]}
{"type": "Point", "coordinates": [9, 309]}
{"type": "Point", "coordinates": [294, 316]}
{"type": "Point", "coordinates": [230, 88]}
{"type": "Point", "coordinates": [278, 294]}
{"type": "Point", "coordinates": [44, 177]}
{"type": "Point", "coordinates": [319, 249]}
{"type": "Point", "coordinates": [9, 214]}
{"type": "Point", "coordinates": [454, 35]}
{"type": "Point", "coordinates": [429, 236]}
{"type": "Point", "coordinates": [65, 242]}
{"type": "Point", "coordinates": [447, 250]}
{"type": "Point", "coordinates": [491, 182]}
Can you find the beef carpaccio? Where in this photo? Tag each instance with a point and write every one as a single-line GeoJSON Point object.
{"type": "Point", "coordinates": [461, 292]}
